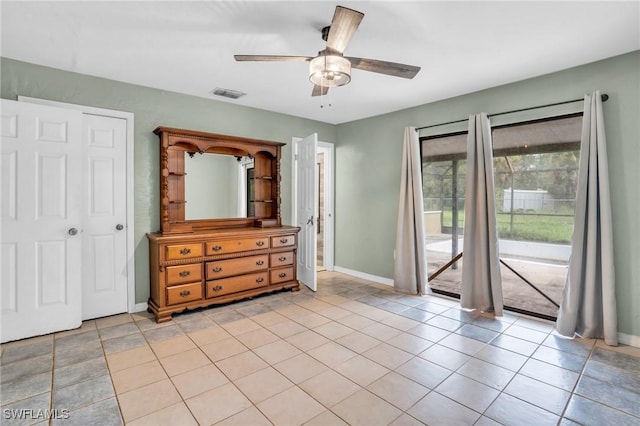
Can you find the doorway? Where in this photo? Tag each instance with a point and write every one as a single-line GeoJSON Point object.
{"type": "Point", "coordinates": [323, 193]}
{"type": "Point", "coordinates": [325, 206]}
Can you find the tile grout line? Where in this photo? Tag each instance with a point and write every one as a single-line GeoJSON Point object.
{"type": "Point", "coordinates": [116, 394]}
{"type": "Point", "coordinates": [313, 309]}
{"type": "Point", "coordinates": [53, 367]}
{"type": "Point", "coordinates": [575, 386]}
{"type": "Point", "coordinates": [113, 386]}
{"type": "Point", "coordinates": [581, 375]}
{"type": "Point", "coordinates": [213, 363]}
{"type": "Point", "coordinates": [502, 391]}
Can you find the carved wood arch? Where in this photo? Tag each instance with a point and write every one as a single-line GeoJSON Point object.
{"type": "Point", "coordinates": [175, 142]}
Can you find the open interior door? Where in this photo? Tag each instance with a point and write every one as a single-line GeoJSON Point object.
{"type": "Point", "coordinates": [307, 205]}
{"type": "Point", "coordinates": [41, 187]}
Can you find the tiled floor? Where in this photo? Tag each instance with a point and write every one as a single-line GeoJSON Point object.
{"type": "Point", "coordinates": [352, 353]}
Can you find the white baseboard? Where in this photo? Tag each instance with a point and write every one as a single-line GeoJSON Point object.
{"type": "Point", "coordinates": [138, 307]}
{"type": "Point", "coordinates": [364, 275]}
{"type": "Point", "coordinates": [629, 339]}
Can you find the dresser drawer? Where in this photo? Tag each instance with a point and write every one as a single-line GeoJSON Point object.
{"type": "Point", "coordinates": [184, 293]}
{"type": "Point", "coordinates": [235, 246]}
{"type": "Point", "coordinates": [283, 241]}
{"type": "Point", "coordinates": [183, 251]}
{"type": "Point", "coordinates": [281, 259]}
{"type": "Point", "coordinates": [184, 273]}
{"type": "Point", "coordinates": [235, 284]}
{"type": "Point", "coordinates": [281, 275]}
{"type": "Point", "coordinates": [226, 268]}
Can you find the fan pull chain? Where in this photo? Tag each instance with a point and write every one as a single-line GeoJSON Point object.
{"type": "Point", "coordinates": [322, 99]}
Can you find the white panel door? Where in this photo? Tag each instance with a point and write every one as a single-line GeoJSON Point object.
{"type": "Point", "coordinates": [307, 205]}
{"type": "Point", "coordinates": [41, 217]}
{"type": "Point", "coordinates": [104, 242]}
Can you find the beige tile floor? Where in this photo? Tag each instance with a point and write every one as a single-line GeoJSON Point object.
{"type": "Point", "coordinates": [353, 353]}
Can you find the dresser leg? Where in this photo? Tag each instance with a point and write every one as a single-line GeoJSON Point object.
{"type": "Point", "coordinates": [163, 317]}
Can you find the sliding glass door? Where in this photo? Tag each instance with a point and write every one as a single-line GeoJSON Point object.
{"type": "Point", "coordinates": [535, 169]}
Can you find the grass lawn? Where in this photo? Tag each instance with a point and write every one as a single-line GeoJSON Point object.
{"type": "Point", "coordinates": [527, 227]}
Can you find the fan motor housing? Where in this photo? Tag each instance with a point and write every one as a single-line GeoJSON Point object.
{"type": "Point", "coordinates": [325, 32]}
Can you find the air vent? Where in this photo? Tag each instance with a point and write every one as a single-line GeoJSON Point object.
{"type": "Point", "coordinates": [227, 93]}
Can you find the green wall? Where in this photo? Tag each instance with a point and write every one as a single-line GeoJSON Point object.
{"type": "Point", "coordinates": [153, 108]}
{"type": "Point", "coordinates": [368, 158]}
{"type": "Point", "coordinates": [368, 153]}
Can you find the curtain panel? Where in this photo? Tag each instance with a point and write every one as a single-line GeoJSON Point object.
{"type": "Point", "coordinates": [588, 306]}
{"type": "Point", "coordinates": [410, 270]}
{"type": "Point", "coordinates": [481, 278]}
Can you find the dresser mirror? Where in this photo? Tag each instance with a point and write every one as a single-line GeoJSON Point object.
{"type": "Point", "coordinates": [211, 181]}
{"type": "Point", "coordinates": [228, 192]}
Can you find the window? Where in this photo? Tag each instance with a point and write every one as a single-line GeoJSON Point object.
{"type": "Point", "coordinates": [535, 170]}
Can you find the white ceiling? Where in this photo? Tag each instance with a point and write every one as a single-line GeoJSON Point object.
{"type": "Point", "coordinates": [188, 46]}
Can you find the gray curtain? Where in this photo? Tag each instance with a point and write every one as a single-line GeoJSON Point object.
{"type": "Point", "coordinates": [410, 272]}
{"type": "Point", "coordinates": [588, 306]}
{"type": "Point", "coordinates": [481, 278]}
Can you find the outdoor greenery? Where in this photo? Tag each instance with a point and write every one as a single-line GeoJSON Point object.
{"type": "Point", "coordinates": [553, 172]}
{"type": "Point", "coordinates": [526, 227]}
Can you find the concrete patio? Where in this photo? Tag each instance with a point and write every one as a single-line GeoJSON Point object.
{"type": "Point", "coordinates": [544, 265]}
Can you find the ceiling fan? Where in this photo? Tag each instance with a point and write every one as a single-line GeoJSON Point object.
{"type": "Point", "coordinates": [330, 68]}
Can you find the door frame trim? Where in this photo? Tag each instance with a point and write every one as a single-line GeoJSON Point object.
{"type": "Point", "coordinates": [128, 116]}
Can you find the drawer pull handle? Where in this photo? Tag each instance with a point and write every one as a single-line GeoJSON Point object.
{"type": "Point", "coordinates": [185, 293]}
{"type": "Point", "coordinates": [260, 262]}
{"type": "Point", "coordinates": [217, 248]}
{"type": "Point", "coordinates": [217, 288]}
{"type": "Point", "coordinates": [217, 269]}
{"type": "Point", "coordinates": [185, 273]}
{"type": "Point", "coordinates": [282, 258]}
{"type": "Point", "coordinates": [185, 251]}
{"type": "Point", "coordinates": [259, 280]}
{"type": "Point", "coordinates": [282, 275]}
{"type": "Point", "coordinates": [260, 243]}
{"type": "Point", "coordinates": [284, 240]}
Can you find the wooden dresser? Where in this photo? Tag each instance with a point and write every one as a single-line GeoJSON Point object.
{"type": "Point", "coordinates": [203, 262]}
{"type": "Point", "coordinates": [208, 268]}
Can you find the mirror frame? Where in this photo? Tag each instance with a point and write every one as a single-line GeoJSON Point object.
{"type": "Point", "coordinates": [173, 145]}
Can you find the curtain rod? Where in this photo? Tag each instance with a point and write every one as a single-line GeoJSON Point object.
{"type": "Point", "coordinates": [604, 97]}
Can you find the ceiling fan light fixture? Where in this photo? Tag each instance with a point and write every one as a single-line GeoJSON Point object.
{"type": "Point", "coordinates": [330, 71]}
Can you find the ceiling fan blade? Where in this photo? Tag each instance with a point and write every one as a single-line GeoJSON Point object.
{"type": "Point", "coordinates": [319, 90]}
{"type": "Point", "coordinates": [272, 58]}
{"type": "Point", "coordinates": [344, 24]}
{"type": "Point", "coordinates": [384, 67]}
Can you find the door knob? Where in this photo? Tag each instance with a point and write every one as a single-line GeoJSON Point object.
{"type": "Point", "coordinates": [72, 231]}
{"type": "Point", "coordinates": [119, 227]}
{"type": "Point", "coordinates": [310, 221]}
